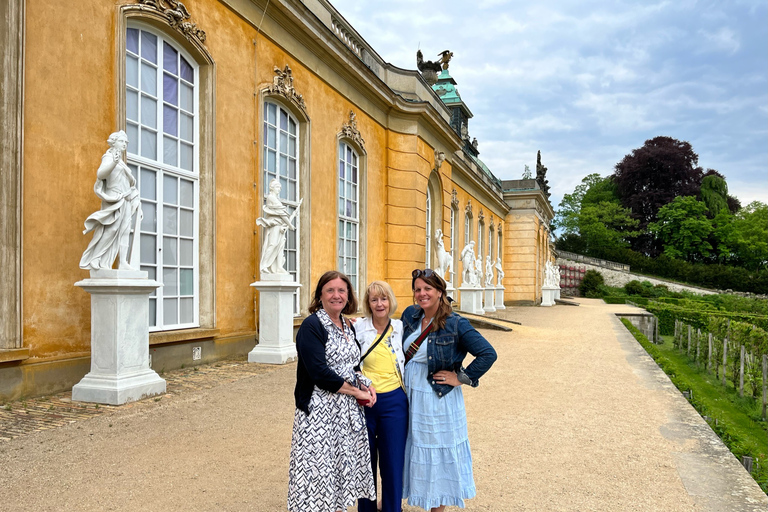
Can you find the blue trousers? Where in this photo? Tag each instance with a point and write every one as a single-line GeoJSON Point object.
{"type": "Point", "coordinates": [387, 423]}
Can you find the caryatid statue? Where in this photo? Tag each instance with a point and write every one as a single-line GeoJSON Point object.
{"type": "Point", "coordinates": [488, 271]}
{"type": "Point", "coordinates": [468, 264]}
{"type": "Point", "coordinates": [499, 273]}
{"type": "Point", "coordinates": [275, 221]}
{"type": "Point", "coordinates": [111, 226]}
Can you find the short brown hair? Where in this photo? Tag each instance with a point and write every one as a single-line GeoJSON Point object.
{"type": "Point", "coordinates": [317, 304]}
{"type": "Point", "coordinates": [379, 289]}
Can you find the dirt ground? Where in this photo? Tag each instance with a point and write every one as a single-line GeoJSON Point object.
{"type": "Point", "coordinates": [574, 416]}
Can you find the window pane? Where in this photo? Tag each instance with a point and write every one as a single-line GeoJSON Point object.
{"type": "Point", "coordinates": [170, 59]}
{"type": "Point", "coordinates": [271, 162]}
{"type": "Point", "coordinates": [133, 138]}
{"type": "Point", "coordinates": [187, 127]}
{"type": "Point", "coordinates": [187, 193]}
{"type": "Point", "coordinates": [148, 144]}
{"type": "Point", "coordinates": [148, 111]}
{"type": "Point", "coordinates": [186, 311]}
{"type": "Point", "coordinates": [272, 113]}
{"type": "Point", "coordinates": [169, 311]}
{"type": "Point", "coordinates": [185, 281]}
{"type": "Point", "coordinates": [292, 168]}
{"type": "Point", "coordinates": [148, 79]}
{"type": "Point", "coordinates": [186, 226]}
{"type": "Point", "coordinates": [170, 283]}
{"type": "Point", "coordinates": [132, 105]}
{"type": "Point", "coordinates": [271, 138]}
{"type": "Point", "coordinates": [132, 71]}
{"type": "Point", "coordinates": [187, 73]}
{"type": "Point", "coordinates": [170, 123]}
{"type": "Point", "coordinates": [169, 151]}
{"type": "Point", "coordinates": [291, 127]}
{"type": "Point", "coordinates": [169, 252]}
{"type": "Point", "coordinates": [169, 189]}
{"type": "Point", "coordinates": [283, 165]}
{"type": "Point", "coordinates": [186, 97]}
{"type": "Point", "coordinates": [147, 184]}
{"type": "Point", "coordinates": [152, 312]}
{"type": "Point", "coordinates": [186, 157]}
{"type": "Point", "coordinates": [170, 89]}
{"type": "Point", "coordinates": [292, 146]}
{"type": "Point", "coordinates": [149, 222]}
{"type": "Point", "coordinates": [170, 220]}
{"type": "Point", "coordinates": [147, 249]}
{"type": "Point", "coordinates": [186, 256]}
{"type": "Point", "coordinates": [132, 40]}
{"type": "Point", "coordinates": [149, 47]}
{"type": "Point", "coordinates": [283, 120]}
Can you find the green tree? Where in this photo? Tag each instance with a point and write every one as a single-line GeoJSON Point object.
{"type": "Point", "coordinates": [714, 192]}
{"type": "Point", "coordinates": [606, 225]}
{"type": "Point", "coordinates": [750, 236]}
{"type": "Point", "coordinates": [567, 215]}
{"type": "Point", "coordinates": [683, 229]}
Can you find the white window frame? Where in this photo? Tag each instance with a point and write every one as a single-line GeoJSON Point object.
{"type": "Point", "coordinates": [136, 119]}
{"type": "Point", "coordinates": [349, 260]}
{"type": "Point", "coordinates": [428, 248]}
{"type": "Point", "coordinates": [467, 229]}
{"type": "Point", "coordinates": [480, 234]}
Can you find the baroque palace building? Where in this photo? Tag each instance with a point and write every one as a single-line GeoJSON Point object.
{"type": "Point", "coordinates": [218, 97]}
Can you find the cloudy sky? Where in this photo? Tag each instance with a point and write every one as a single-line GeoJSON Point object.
{"type": "Point", "coordinates": [586, 82]}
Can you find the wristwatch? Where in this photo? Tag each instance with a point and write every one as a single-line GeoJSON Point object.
{"type": "Point", "coordinates": [462, 376]}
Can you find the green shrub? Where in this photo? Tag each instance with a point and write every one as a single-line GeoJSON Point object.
{"type": "Point", "coordinates": [633, 288]}
{"type": "Point", "coordinates": [590, 285]}
{"type": "Point", "coordinates": [615, 299]}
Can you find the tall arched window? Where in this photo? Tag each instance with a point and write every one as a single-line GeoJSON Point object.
{"type": "Point", "coordinates": [490, 241]}
{"type": "Point", "coordinates": [453, 243]}
{"type": "Point", "coordinates": [280, 159]}
{"type": "Point", "coordinates": [467, 229]}
{"type": "Point", "coordinates": [428, 255]}
{"type": "Point", "coordinates": [162, 122]}
{"type": "Point", "coordinates": [480, 247]}
{"type": "Point", "coordinates": [349, 212]}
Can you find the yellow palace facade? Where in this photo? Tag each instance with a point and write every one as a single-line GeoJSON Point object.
{"type": "Point", "coordinates": [218, 97]}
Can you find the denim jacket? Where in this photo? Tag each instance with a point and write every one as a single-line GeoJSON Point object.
{"type": "Point", "coordinates": [447, 348]}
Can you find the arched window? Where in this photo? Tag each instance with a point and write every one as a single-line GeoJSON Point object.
{"type": "Point", "coordinates": [162, 123]}
{"type": "Point", "coordinates": [280, 160]}
{"type": "Point", "coordinates": [349, 212]}
{"type": "Point", "coordinates": [453, 243]}
{"type": "Point", "coordinates": [490, 242]}
{"type": "Point", "coordinates": [428, 255]}
{"type": "Point", "coordinates": [467, 229]}
{"type": "Point", "coordinates": [480, 247]}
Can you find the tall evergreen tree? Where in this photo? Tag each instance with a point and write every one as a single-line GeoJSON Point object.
{"type": "Point", "coordinates": [541, 175]}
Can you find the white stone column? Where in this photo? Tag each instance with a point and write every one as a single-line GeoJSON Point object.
{"type": "Point", "coordinates": [548, 295]}
{"type": "Point", "coordinates": [276, 345]}
{"type": "Point", "coordinates": [489, 302]}
{"type": "Point", "coordinates": [500, 298]}
{"type": "Point", "coordinates": [120, 369]}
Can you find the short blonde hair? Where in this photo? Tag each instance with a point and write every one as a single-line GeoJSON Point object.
{"type": "Point", "coordinates": [379, 289]}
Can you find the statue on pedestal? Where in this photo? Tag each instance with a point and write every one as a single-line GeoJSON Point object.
{"type": "Point", "coordinates": [488, 272]}
{"type": "Point", "coordinates": [478, 272]}
{"type": "Point", "coordinates": [444, 258]}
{"type": "Point", "coordinates": [499, 273]}
{"type": "Point", "coordinates": [550, 279]}
{"type": "Point", "coordinates": [468, 263]}
{"type": "Point", "coordinates": [276, 221]}
{"type": "Point", "coordinates": [111, 226]}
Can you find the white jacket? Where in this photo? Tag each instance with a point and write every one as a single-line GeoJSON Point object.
{"type": "Point", "coordinates": [366, 335]}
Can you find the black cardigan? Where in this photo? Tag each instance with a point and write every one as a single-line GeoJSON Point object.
{"type": "Point", "coordinates": [312, 369]}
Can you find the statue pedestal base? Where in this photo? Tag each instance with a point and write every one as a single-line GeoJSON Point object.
{"type": "Point", "coordinates": [450, 291]}
{"type": "Point", "coordinates": [472, 300]}
{"type": "Point", "coordinates": [276, 344]}
{"type": "Point", "coordinates": [548, 295]}
{"type": "Point", "coordinates": [557, 293]}
{"type": "Point", "coordinates": [500, 298]}
{"type": "Point", "coordinates": [489, 303]}
{"type": "Point", "coordinates": [120, 370]}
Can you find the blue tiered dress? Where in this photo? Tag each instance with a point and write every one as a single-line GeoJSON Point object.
{"type": "Point", "coordinates": [438, 460]}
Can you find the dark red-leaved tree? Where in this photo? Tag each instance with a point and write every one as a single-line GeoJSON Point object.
{"type": "Point", "coordinates": [652, 176]}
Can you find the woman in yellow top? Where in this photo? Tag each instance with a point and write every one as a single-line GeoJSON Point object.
{"type": "Point", "coordinates": [382, 361]}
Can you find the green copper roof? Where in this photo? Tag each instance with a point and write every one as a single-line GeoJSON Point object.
{"type": "Point", "coordinates": [445, 87]}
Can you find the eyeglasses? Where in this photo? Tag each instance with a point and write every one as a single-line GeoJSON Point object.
{"type": "Point", "coordinates": [427, 272]}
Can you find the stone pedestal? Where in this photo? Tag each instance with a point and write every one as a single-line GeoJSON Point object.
{"type": "Point", "coordinates": [557, 293]}
{"type": "Point", "coordinates": [548, 295]}
{"type": "Point", "coordinates": [500, 298]}
{"type": "Point", "coordinates": [472, 300]}
{"type": "Point", "coordinates": [276, 345]}
{"type": "Point", "coordinates": [451, 291]}
{"type": "Point", "coordinates": [489, 302]}
{"type": "Point", "coordinates": [120, 370]}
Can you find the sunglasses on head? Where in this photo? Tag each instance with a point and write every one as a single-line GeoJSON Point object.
{"type": "Point", "coordinates": [427, 272]}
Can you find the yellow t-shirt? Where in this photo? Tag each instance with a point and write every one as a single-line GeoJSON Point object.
{"type": "Point", "coordinates": [381, 366]}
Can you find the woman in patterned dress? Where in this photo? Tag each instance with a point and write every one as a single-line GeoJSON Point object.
{"type": "Point", "coordinates": [330, 466]}
{"type": "Point", "coordinates": [438, 461]}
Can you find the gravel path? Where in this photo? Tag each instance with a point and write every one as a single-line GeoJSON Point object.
{"type": "Point", "coordinates": [574, 416]}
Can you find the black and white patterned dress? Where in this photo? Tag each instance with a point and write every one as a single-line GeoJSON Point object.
{"type": "Point", "coordinates": [330, 465]}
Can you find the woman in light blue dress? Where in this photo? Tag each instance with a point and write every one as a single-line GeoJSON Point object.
{"type": "Point", "coordinates": [438, 467]}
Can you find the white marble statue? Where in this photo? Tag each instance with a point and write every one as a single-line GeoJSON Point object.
{"type": "Point", "coordinates": [478, 281]}
{"type": "Point", "coordinates": [557, 275]}
{"type": "Point", "coordinates": [444, 258]}
{"type": "Point", "coordinates": [499, 273]}
{"type": "Point", "coordinates": [468, 263]}
{"type": "Point", "coordinates": [549, 275]}
{"type": "Point", "coordinates": [275, 221]}
{"type": "Point", "coordinates": [488, 272]}
{"type": "Point", "coordinates": [111, 226]}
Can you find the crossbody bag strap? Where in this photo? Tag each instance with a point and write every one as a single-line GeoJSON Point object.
{"type": "Point", "coordinates": [414, 347]}
{"type": "Point", "coordinates": [381, 337]}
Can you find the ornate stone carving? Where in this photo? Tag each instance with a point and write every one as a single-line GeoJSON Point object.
{"type": "Point", "coordinates": [178, 17]}
{"type": "Point", "coordinates": [439, 159]}
{"type": "Point", "coordinates": [349, 129]}
{"type": "Point", "coordinates": [282, 84]}
{"type": "Point", "coordinates": [481, 215]}
{"type": "Point", "coordinates": [468, 208]}
{"type": "Point", "coordinates": [454, 199]}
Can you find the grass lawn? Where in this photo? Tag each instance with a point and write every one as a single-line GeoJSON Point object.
{"type": "Point", "coordinates": [735, 419]}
